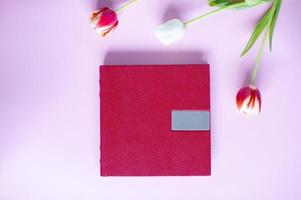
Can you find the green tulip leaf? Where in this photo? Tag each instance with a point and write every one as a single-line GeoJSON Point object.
{"type": "Point", "coordinates": [241, 4]}
{"type": "Point", "coordinates": [267, 21]}
{"type": "Point", "coordinates": [217, 2]}
{"type": "Point", "coordinates": [222, 3]}
{"type": "Point", "coordinates": [261, 25]}
{"type": "Point", "coordinates": [277, 5]}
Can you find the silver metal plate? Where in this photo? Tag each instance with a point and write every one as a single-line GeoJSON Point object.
{"type": "Point", "coordinates": [190, 120]}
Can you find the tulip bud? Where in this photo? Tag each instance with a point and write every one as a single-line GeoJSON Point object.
{"type": "Point", "coordinates": [171, 31]}
{"type": "Point", "coordinates": [248, 100]}
{"type": "Point", "coordinates": [104, 21]}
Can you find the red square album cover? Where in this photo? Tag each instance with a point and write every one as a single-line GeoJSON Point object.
{"type": "Point", "coordinates": [155, 120]}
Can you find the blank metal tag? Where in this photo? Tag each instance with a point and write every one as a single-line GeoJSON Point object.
{"type": "Point", "coordinates": [190, 120]}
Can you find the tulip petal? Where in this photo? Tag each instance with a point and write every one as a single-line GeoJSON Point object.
{"type": "Point", "coordinates": [104, 20]}
{"type": "Point", "coordinates": [94, 15]}
{"type": "Point", "coordinates": [242, 95]}
{"type": "Point", "coordinates": [107, 17]}
{"type": "Point", "coordinates": [248, 100]}
{"type": "Point", "coordinates": [104, 30]}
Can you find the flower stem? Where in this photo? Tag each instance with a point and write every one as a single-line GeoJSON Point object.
{"type": "Point", "coordinates": [211, 12]}
{"type": "Point", "coordinates": [203, 16]}
{"type": "Point", "coordinates": [125, 5]}
{"type": "Point", "coordinates": [259, 56]}
{"type": "Point", "coordinates": [260, 53]}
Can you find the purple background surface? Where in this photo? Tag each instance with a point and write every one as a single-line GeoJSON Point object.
{"type": "Point", "coordinates": [49, 103]}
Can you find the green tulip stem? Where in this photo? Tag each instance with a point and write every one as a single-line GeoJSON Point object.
{"type": "Point", "coordinates": [125, 5]}
{"type": "Point", "coordinates": [189, 22]}
{"type": "Point", "coordinates": [259, 56]}
{"type": "Point", "coordinates": [260, 52]}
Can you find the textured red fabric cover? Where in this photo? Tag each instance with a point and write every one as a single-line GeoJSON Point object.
{"type": "Point", "coordinates": [136, 136]}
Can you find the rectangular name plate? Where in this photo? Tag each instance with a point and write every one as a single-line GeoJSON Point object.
{"type": "Point", "coordinates": [190, 120]}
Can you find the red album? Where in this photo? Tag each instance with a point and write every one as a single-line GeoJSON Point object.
{"type": "Point", "coordinates": [155, 120]}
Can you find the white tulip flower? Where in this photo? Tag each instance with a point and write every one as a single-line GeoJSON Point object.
{"type": "Point", "coordinates": [171, 31]}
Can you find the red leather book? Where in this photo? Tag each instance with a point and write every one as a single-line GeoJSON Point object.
{"type": "Point", "coordinates": [155, 120]}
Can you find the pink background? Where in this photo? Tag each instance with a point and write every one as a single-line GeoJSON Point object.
{"type": "Point", "coordinates": [49, 103]}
